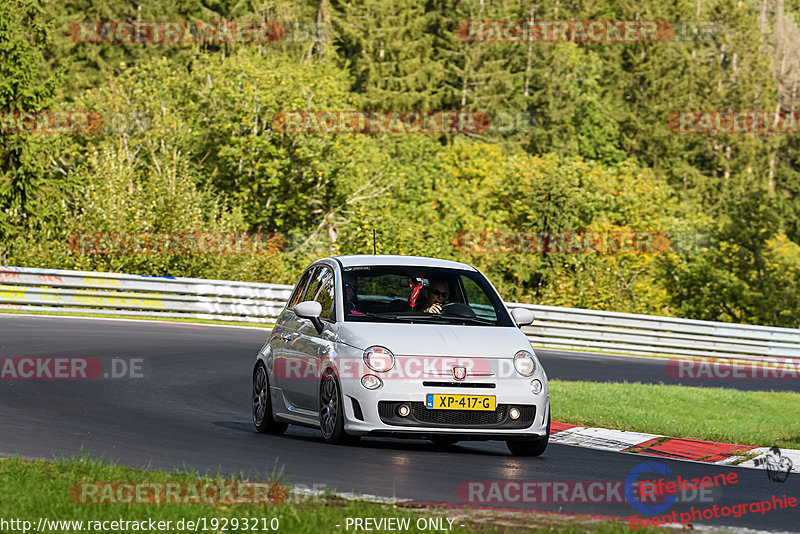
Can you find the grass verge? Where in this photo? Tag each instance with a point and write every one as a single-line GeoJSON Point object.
{"type": "Point", "coordinates": [760, 418]}
{"type": "Point", "coordinates": [39, 489]}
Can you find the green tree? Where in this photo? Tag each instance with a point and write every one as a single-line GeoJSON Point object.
{"type": "Point", "coordinates": [748, 276]}
{"type": "Point", "coordinates": [27, 194]}
{"type": "Point", "coordinates": [389, 53]}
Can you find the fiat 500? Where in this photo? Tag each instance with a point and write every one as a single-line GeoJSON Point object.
{"type": "Point", "coordinates": [401, 346]}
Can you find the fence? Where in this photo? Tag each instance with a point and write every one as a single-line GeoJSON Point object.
{"type": "Point", "coordinates": [46, 290]}
{"type": "Point", "coordinates": [23, 288]}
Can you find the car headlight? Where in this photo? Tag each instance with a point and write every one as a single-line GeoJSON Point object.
{"type": "Point", "coordinates": [379, 359]}
{"type": "Point", "coordinates": [524, 363]}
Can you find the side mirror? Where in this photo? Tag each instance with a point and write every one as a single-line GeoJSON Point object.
{"type": "Point", "coordinates": [522, 316]}
{"type": "Point", "coordinates": [311, 310]}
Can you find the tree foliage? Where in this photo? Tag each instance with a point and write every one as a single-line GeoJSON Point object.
{"type": "Point", "coordinates": [190, 143]}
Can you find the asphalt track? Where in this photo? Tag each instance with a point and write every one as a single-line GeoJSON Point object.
{"type": "Point", "coordinates": [564, 365]}
{"type": "Point", "coordinates": [191, 409]}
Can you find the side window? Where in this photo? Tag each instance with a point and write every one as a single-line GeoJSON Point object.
{"type": "Point", "coordinates": [478, 300]}
{"type": "Point", "coordinates": [300, 290]}
{"type": "Point", "coordinates": [321, 289]}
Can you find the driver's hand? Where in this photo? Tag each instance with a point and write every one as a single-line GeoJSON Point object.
{"type": "Point", "coordinates": [434, 308]}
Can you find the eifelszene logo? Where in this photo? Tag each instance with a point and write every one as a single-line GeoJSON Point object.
{"type": "Point", "coordinates": [663, 492]}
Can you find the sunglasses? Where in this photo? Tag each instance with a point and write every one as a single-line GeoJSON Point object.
{"type": "Point", "coordinates": [354, 287]}
{"type": "Point", "coordinates": [438, 293]}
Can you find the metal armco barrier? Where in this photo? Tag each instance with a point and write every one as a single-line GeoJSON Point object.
{"type": "Point", "coordinates": [24, 288]}
{"type": "Point", "coordinates": [628, 333]}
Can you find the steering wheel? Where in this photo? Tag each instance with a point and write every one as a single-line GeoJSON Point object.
{"type": "Point", "coordinates": [458, 308]}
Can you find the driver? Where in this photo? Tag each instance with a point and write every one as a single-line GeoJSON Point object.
{"type": "Point", "coordinates": [434, 296]}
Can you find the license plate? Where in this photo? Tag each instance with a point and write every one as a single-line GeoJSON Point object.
{"type": "Point", "coordinates": [435, 401]}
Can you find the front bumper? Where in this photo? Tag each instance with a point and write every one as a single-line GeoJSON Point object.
{"type": "Point", "coordinates": [420, 416]}
{"type": "Point", "coordinates": [374, 412]}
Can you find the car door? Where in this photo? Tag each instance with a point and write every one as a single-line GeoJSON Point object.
{"type": "Point", "coordinates": [285, 334]}
{"type": "Point", "coordinates": [314, 347]}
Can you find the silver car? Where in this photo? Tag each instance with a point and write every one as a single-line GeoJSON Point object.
{"type": "Point", "coordinates": [402, 346]}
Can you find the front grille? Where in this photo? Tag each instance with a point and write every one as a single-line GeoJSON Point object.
{"type": "Point", "coordinates": [422, 416]}
{"type": "Point", "coordinates": [486, 385]}
{"type": "Point", "coordinates": [457, 417]}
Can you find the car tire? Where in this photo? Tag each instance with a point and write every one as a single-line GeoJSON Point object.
{"type": "Point", "coordinates": [331, 412]}
{"type": "Point", "coordinates": [530, 447]}
{"type": "Point", "coordinates": [262, 404]}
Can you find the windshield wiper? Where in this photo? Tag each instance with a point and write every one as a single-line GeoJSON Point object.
{"type": "Point", "coordinates": [417, 316]}
{"type": "Point", "coordinates": [442, 318]}
{"type": "Point", "coordinates": [402, 316]}
{"type": "Point", "coordinates": [473, 320]}
{"type": "Point", "coordinates": [423, 317]}
{"type": "Point", "coordinates": [370, 315]}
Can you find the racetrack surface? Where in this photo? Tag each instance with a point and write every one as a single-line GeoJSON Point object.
{"type": "Point", "coordinates": [191, 409]}
{"type": "Point", "coordinates": [590, 367]}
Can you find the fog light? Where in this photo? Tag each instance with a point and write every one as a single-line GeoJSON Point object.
{"type": "Point", "coordinates": [371, 382]}
{"type": "Point", "coordinates": [403, 410]}
{"type": "Point", "coordinates": [513, 413]}
{"type": "Point", "coordinates": [536, 386]}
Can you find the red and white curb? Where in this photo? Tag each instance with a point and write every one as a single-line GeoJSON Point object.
{"type": "Point", "coordinates": [665, 447]}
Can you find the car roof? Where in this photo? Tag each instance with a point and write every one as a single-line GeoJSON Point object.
{"type": "Point", "coordinates": [363, 260]}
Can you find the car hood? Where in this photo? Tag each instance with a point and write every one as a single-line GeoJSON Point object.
{"type": "Point", "coordinates": [436, 339]}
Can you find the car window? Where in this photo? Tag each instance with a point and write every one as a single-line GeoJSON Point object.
{"type": "Point", "coordinates": [300, 289]}
{"type": "Point", "coordinates": [321, 289]}
{"type": "Point", "coordinates": [477, 299]}
{"type": "Point", "coordinates": [385, 293]}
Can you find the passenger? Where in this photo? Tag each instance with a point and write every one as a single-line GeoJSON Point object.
{"type": "Point", "coordinates": [351, 295]}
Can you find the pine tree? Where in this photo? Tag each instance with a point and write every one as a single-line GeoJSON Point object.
{"type": "Point", "coordinates": [24, 86]}
{"type": "Point", "coordinates": [388, 49]}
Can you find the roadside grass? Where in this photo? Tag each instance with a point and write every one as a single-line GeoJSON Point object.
{"type": "Point", "coordinates": [141, 318]}
{"type": "Point", "coordinates": [37, 489]}
{"type": "Point", "coordinates": [759, 418]}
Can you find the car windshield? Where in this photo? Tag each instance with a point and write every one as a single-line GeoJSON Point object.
{"type": "Point", "coordinates": [421, 295]}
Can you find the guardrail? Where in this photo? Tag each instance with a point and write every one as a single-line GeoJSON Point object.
{"type": "Point", "coordinates": [30, 289]}
{"type": "Point", "coordinates": [628, 333]}
{"type": "Point", "coordinates": [23, 288]}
